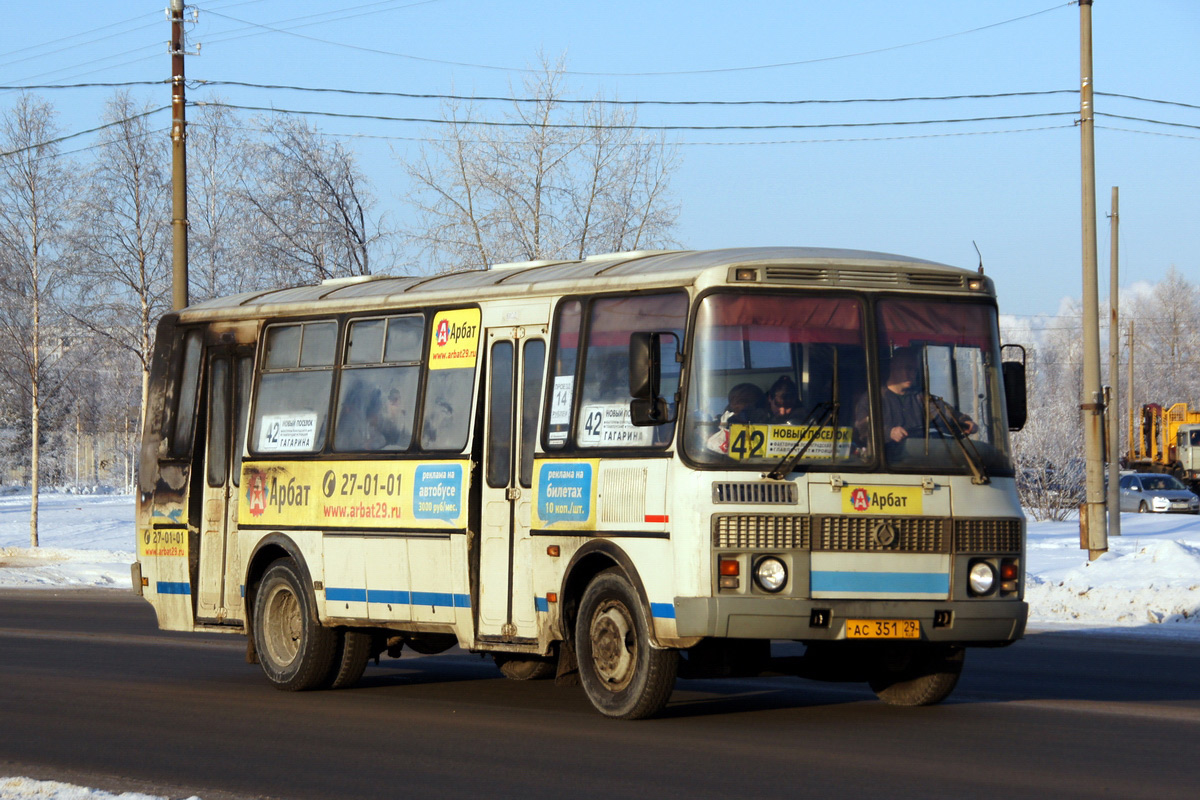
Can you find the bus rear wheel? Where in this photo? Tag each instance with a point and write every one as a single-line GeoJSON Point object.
{"type": "Point", "coordinates": [295, 652]}
{"type": "Point", "coordinates": [351, 654]}
{"type": "Point", "coordinates": [518, 667]}
{"type": "Point", "coordinates": [622, 675]}
{"type": "Point", "coordinates": [917, 675]}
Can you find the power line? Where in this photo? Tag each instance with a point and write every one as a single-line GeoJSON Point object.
{"type": "Point", "coordinates": [70, 136]}
{"type": "Point", "coordinates": [101, 85]}
{"type": "Point", "coordinates": [1147, 133]}
{"type": "Point", "coordinates": [427, 139]}
{"type": "Point", "coordinates": [76, 36]}
{"type": "Point", "coordinates": [585, 126]}
{"type": "Point", "coordinates": [647, 74]}
{"type": "Point", "coordinates": [1152, 121]}
{"type": "Point", "coordinates": [200, 84]}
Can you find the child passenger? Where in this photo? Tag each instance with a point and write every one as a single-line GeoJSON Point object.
{"type": "Point", "coordinates": [746, 405]}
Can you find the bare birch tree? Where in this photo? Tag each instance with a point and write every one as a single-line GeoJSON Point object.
{"type": "Point", "coordinates": [313, 208]}
{"type": "Point", "coordinates": [220, 257]}
{"type": "Point", "coordinates": [36, 189]}
{"type": "Point", "coordinates": [123, 237]}
{"type": "Point", "coordinates": [553, 182]}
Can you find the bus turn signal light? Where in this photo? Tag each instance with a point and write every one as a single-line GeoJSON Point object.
{"type": "Point", "coordinates": [730, 567]}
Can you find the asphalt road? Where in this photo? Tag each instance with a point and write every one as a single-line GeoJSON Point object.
{"type": "Point", "coordinates": [92, 693]}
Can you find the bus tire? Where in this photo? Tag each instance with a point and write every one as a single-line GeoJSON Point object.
{"type": "Point", "coordinates": [295, 652]}
{"type": "Point", "coordinates": [922, 675]}
{"type": "Point", "coordinates": [351, 654]}
{"type": "Point", "coordinates": [517, 667]}
{"type": "Point", "coordinates": [622, 675]}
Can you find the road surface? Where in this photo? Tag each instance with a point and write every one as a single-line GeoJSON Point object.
{"type": "Point", "coordinates": [92, 693]}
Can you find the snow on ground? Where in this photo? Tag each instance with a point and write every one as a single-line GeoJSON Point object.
{"type": "Point", "coordinates": [29, 789]}
{"type": "Point", "coordinates": [86, 541]}
{"type": "Point", "coordinates": [1149, 578]}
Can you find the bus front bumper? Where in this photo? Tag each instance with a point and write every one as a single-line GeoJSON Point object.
{"type": "Point", "coordinates": [981, 622]}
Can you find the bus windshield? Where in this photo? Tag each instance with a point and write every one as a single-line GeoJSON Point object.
{"type": "Point", "coordinates": [776, 376]}
{"type": "Point", "coordinates": [785, 377]}
{"type": "Point", "coordinates": [940, 398]}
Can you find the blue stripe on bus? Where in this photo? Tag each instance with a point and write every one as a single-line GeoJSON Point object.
{"type": "Point", "coordinates": [173, 587]}
{"type": "Point", "coordinates": [662, 610]}
{"type": "Point", "coordinates": [346, 595]}
{"type": "Point", "coordinates": [393, 597]}
{"type": "Point", "coordinates": [398, 597]}
{"type": "Point", "coordinates": [894, 582]}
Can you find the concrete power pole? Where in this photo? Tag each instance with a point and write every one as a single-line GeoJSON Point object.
{"type": "Point", "coordinates": [179, 218]}
{"type": "Point", "coordinates": [1092, 534]}
{"type": "Point", "coordinates": [1114, 378]}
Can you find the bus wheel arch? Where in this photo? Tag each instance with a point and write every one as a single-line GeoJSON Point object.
{"type": "Point", "coordinates": [295, 651]}
{"type": "Point", "coordinates": [624, 675]}
{"type": "Point", "coordinates": [267, 552]}
{"type": "Point", "coordinates": [588, 562]}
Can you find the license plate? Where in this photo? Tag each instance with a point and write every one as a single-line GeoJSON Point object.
{"type": "Point", "coordinates": [883, 629]}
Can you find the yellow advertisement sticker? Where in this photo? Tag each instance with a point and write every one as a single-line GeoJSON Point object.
{"type": "Point", "coordinates": [776, 441]}
{"type": "Point", "coordinates": [354, 494]}
{"type": "Point", "coordinates": [895, 500]}
{"type": "Point", "coordinates": [455, 342]}
{"type": "Point", "coordinates": [160, 542]}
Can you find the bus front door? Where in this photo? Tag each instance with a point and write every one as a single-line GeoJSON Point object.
{"type": "Point", "coordinates": [515, 364]}
{"type": "Point", "coordinates": [219, 598]}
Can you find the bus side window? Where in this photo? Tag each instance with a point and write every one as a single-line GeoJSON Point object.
{"type": "Point", "coordinates": [378, 388]}
{"type": "Point", "coordinates": [185, 410]}
{"type": "Point", "coordinates": [453, 355]}
{"type": "Point", "coordinates": [562, 386]}
{"type": "Point", "coordinates": [604, 419]}
{"type": "Point", "coordinates": [293, 392]}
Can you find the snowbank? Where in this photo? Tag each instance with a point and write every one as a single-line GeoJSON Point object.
{"type": "Point", "coordinates": [29, 789]}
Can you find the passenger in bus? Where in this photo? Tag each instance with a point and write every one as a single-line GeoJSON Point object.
{"type": "Point", "coordinates": [747, 405]}
{"type": "Point", "coordinates": [783, 402]}
{"type": "Point", "coordinates": [395, 425]}
{"type": "Point", "coordinates": [904, 407]}
{"type": "Point", "coordinates": [359, 419]}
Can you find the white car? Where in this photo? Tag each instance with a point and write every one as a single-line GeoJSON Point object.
{"type": "Point", "coordinates": [1150, 491]}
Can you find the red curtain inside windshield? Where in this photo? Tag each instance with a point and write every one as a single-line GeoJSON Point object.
{"type": "Point", "coordinates": [905, 322]}
{"type": "Point", "coordinates": [833, 320]}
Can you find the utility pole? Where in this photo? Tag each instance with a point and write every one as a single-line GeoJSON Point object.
{"type": "Point", "coordinates": [1134, 441]}
{"type": "Point", "coordinates": [179, 219]}
{"type": "Point", "coordinates": [1092, 534]}
{"type": "Point", "coordinates": [1114, 376]}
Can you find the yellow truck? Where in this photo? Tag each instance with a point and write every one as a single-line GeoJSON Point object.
{"type": "Point", "coordinates": [1166, 440]}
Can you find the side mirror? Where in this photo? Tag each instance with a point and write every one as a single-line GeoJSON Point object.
{"type": "Point", "coordinates": [645, 365]}
{"type": "Point", "coordinates": [645, 379]}
{"type": "Point", "coordinates": [1013, 373]}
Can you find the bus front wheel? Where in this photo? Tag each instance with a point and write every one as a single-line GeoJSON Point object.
{"type": "Point", "coordinates": [622, 674]}
{"type": "Point", "coordinates": [917, 675]}
{"type": "Point", "coordinates": [295, 652]}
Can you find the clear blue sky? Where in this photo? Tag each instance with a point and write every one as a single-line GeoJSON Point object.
{"type": "Point", "coordinates": [1016, 193]}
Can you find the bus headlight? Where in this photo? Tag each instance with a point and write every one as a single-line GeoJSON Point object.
{"type": "Point", "coordinates": [770, 574]}
{"type": "Point", "coordinates": [982, 578]}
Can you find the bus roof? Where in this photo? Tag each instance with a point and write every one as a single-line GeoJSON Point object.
{"type": "Point", "coordinates": [813, 266]}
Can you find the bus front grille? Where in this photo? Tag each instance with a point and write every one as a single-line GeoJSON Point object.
{"type": "Point", "coordinates": [882, 534]}
{"type": "Point", "coordinates": [750, 531]}
{"type": "Point", "coordinates": [754, 492]}
{"type": "Point", "coordinates": [987, 535]}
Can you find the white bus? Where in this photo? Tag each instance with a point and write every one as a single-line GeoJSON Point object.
{"type": "Point", "coordinates": [615, 470]}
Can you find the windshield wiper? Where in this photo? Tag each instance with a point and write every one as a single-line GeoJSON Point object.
{"type": "Point", "coordinates": [813, 424]}
{"type": "Point", "coordinates": [974, 460]}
